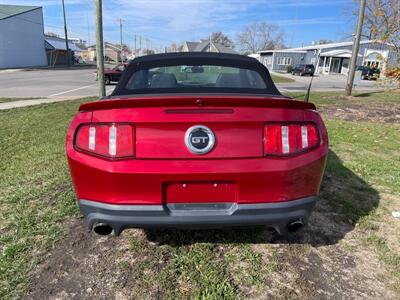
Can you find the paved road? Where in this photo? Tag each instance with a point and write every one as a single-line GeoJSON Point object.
{"type": "Point", "coordinates": [323, 83]}
{"type": "Point", "coordinates": [49, 83]}
{"type": "Point", "coordinates": [80, 82]}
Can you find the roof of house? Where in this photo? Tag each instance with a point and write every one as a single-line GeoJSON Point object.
{"type": "Point", "coordinates": [8, 11]}
{"type": "Point", "coordinates": [320, 46]}
{"type": "Point", "coordinates": [191, 46]}
{"type": "Point", "coordinates": [107, 45]}
{"type": "Point", "coordinates": [204, 44]}
{"type": "Point", "coordinates": [282, 51]}
{"type": "Point", "coordinates": [339, 53]}
{"type": "Point", "coordinates": [57, 43]}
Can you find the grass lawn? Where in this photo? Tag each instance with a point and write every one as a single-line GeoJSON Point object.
{"type": "Point", "coordinates": [35, 190]}
{"type": "Point", "coordinates": [281, 79]}
{"type": "Point", "coordinates": [360, 98]}
{"type": "Point", "coordinates": [36, 198]}
{"type": "Point", "coordinates": [12, 99]}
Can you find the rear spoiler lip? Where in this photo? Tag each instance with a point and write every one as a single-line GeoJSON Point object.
{"type": "Point", "coordinates": [200, 101]}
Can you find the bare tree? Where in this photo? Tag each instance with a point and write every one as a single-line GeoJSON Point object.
{"type": "Point", "coordinates": [382, 21]}
{"type": "Point", "coordinates": [324, 41]}
{"type": "Point", "coordinates": [52, 34]}
{"type": "Point", "coordinates": [260, 36]}
{"type": "Point", "coordinates": [221, 38]}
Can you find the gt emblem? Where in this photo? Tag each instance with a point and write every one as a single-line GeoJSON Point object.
{"type": "Point", "coordinates": [199, 139]}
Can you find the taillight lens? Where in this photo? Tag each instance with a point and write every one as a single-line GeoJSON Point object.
{"type": "Point", "coordinates": [290, 138]}
{"type": "Point", "coordinates": [109, 140]}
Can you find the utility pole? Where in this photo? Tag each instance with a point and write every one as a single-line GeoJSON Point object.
{"type": "Point", "coordinates": [99, 48]}
{"type": "Point", "coordinates": [120, 33]}
{"type": "Point", "coordinates": [66, 35]}
{"type": "Point", "coordinates": [356, 47]}
{"type": "Point", "coordinates": [135, 45]}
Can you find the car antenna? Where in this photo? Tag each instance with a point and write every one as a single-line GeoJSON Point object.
{"type": "Point", "coordinates": [307, 96]}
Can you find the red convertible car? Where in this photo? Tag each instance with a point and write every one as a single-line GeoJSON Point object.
{"type": "Point", "coordinates": [196, 140]}
{"type": "Point", "coordinates": [114, 74]}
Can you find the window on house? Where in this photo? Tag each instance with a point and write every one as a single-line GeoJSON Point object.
{"type": "Point", "coordinates": [285, 61]}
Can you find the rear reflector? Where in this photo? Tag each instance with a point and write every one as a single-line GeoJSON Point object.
{"type": "Point", "coordinates": [109, 140]}
{"type": "Point", "coordinates": [292, 138]}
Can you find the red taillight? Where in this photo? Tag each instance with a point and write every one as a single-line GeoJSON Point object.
{"type": "Point", "coordinates": [287, 139]}
{"type": "Point", "coordinates": [110, 140]}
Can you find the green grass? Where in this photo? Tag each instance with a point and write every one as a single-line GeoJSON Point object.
{"type": "Point", "coordinates": [13, 99]}
{"type": "Point", "coordinates": [35, 190]}
{"type": "Point", "coordinates": [365, 162]}
{"type": "Point", "coordinates": [281, 79]}
{"type": "Point", "coordinates": [339, 99]}
{"type": "Point", "coordinates": [385, 254]}
{"type": "Point", "coordinates": [36, 197]}
{"type": "Point", "coordinates": [371, 151]}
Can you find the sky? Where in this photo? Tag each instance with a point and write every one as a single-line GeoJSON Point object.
{"type": "Point", "coordinates": [162, 22]}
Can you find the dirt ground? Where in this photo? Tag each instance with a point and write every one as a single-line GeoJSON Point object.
{"type": "Point", "coordinates": [373, 112]}
{"type": "Point", "coordinates": [322, 261]}
{"type": "Point", "coordinates": [315, 264]}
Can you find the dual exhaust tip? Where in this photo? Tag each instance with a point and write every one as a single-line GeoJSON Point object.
{"type": "Point", "coordinates": [102, 229]}
{"type": "Point", "coordinates": [106, 229]}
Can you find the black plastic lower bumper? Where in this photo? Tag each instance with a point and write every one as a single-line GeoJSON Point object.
{"type": "Point", "coordinates": [197, 215]}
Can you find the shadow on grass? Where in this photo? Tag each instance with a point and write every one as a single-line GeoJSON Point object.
{"type": "Point", "coordinates": [367, 94]}
{"type": "Point", "coordinates": [345, 199]}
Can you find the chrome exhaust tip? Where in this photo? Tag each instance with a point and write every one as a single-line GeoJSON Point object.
{"type": "Point", "coordinates": [102, 229]}
{"type": "Point", "coordinates": [294, 225]}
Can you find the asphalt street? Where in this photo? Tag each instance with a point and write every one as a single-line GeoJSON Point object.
{"type": "Point", "coordinates": [81, 82]}
{"type": "Point", "coordinates": [49, 83]}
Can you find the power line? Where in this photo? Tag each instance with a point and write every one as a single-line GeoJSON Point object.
{"type": "Point", "coordinates": [38, 23]}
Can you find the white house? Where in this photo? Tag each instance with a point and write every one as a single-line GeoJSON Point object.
{"type": "Point", "coordinates": [21, 36]}
{"type": "Point", "coordinates": [332, 58]}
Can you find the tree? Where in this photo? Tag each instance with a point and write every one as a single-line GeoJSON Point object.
{"type": "Point", "coordinates": [382, 21]}
{"type": "Point", "coordinates": [173, 48]}
{"type": "Point", "coordinates": [52, 34]}
{"type": "Point", "coordinates": [260, 36]}
{"type": "Point", "coordinates": [324, 41]}
{"type": "Point", "coordinates": [148, 51]}
{"type": "Point", "coordinates": [221, 38]}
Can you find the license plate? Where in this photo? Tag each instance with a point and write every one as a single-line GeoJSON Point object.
{"type": "Point", "coordinates": [199, 192]}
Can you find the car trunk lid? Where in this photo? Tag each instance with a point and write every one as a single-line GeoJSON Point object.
{"type": "Point", "coordinates": [163, 124]}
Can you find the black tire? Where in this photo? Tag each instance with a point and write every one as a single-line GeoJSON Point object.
{"type": "Point", "coordinates": [293, 73]}
{"type": "Point", "coordinates": [107, 80]}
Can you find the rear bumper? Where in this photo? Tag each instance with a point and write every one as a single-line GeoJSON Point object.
{"type": "Point", "coordinates": [192, 215]}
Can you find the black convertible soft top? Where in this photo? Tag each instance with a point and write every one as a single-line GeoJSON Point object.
{"type": "Point", "coordinates": [195, 59]}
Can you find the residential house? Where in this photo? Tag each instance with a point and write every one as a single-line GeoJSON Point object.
{"type": "Point", "coordinates": [56, 50]}
{"type": "Point", "coordinates": [332, 58]}
{"type": "Point", "coordinates": [206, 46]}
{"type": "Point", "coordinates": [21, 36]}
{"type": "Point", "coordinates": [112, 53]}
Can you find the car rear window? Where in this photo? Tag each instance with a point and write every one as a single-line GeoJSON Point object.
{"type": "Point", "coordinates": [195, 72]}
{"type": "Point", "coordinates": [195, 76]}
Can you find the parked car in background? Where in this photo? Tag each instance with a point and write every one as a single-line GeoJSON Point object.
{"type": "Point", "coordinates": [303, 69]}
{"type": "Point", "coordinates": [113, 74]}
{"type": "Point", "coordinates": [368, 73]}
{"type": "Point", "coordinates": [196, 140]}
